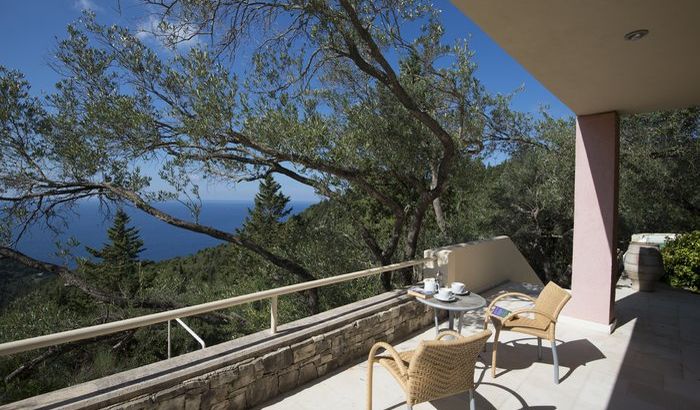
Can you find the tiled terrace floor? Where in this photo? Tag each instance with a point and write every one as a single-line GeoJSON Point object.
{"type": "Point", "coordinates": [651, 361]}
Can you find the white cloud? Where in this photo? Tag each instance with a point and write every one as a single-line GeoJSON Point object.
{"type": "Point", "coordinates": [150, 31]}
{"type": "Point", "coordinates": [86, 5]}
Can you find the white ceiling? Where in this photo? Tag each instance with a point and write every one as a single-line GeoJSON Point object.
{"type": "Point", "coordinates": [577, 49]}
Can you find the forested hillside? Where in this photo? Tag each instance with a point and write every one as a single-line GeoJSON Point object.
{"type": "Point", "coordinates": [17, 279]}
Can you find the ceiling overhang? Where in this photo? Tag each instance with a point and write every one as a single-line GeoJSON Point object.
{"type": "Point", "coordinates": [578, 51]}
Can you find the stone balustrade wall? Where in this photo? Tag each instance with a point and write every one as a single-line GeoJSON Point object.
{"type": "Point", "coordinates": [252, 369]}
{"type": "Point", "coordinates": [257, 379]}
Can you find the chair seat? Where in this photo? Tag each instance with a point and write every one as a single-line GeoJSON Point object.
{"type": "Point", "coordinates": [539, 320]}
{"type": "Point", "coordinates": [531, 331]}
{"type": "Point", "coordinates": [520, 321]}
{"type": "Point", "coordinates": [534, 327]}
{"type": "Point", "coordinates": [390, 364]}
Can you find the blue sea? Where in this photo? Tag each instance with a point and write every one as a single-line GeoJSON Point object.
{"type": "Point", "coordinates": [88, 224]}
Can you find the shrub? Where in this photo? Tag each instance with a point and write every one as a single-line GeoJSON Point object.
{"type": "Point", "coordinates": [682, 261]}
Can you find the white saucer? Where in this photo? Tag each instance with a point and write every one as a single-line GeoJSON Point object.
{"type": "Point", "coordinates": [466, 292]}
{"type": "Point", "coordinates": [452, 299]}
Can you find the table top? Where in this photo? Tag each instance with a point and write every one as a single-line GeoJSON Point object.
{"type": "Point", "coordinates": [463, 303]}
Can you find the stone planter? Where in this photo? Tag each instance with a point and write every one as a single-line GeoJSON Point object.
{"type": "Point", "coordinates": [643, 265]}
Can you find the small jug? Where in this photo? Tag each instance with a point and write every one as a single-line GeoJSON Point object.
{"type": "Point", "coordinates": [430, 285]}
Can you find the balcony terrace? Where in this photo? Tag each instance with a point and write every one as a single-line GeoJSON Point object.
{"type": "Point", "coordinates": [651, 359]}
{"type": "Point", "coordinates": [617, 348]}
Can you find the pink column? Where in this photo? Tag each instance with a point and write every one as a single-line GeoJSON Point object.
{"type": "Point", "coordinates": [595, 215]}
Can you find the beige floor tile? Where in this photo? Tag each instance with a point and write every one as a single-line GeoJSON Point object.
{"type": "Point", "coordinates": [492, 394]}
{"type": "Point", "coordinates": [589, 403]}
{"type": "Point", "coordinates": [598, 388]}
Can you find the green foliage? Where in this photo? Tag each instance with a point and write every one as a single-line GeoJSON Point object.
{"type": "Point", "coordinates": [659, 168]}
{"type": "Point", "coordinates": [682, 261]}
{"type": "Point", "coordinates": [532, 199]}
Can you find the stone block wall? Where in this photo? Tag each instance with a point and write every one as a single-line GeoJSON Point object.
{"type": "Point", "coordinates": [259, 378]}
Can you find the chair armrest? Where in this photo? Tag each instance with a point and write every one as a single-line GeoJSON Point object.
{"type": "Point", "coordinates": [392, 352]}
{"type": "Point", "coordinates": [518, 294]}
{"type": "Point", "coordinates": [529, 310]}
{"type": "Point", "coordinates": [448, 333]}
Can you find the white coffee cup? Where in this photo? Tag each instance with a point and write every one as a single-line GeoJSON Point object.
{"type": "Point", "coordinates": [458, 287]}
{"type": "Point", "coordinates": [429, 284]}
{"type": "Point", "coordinates": [445, 293]}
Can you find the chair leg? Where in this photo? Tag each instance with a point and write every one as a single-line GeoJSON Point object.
{"type": "Point", "coordinates": [437, 322]}
{"type": "Point", "coordinates": [472, 404]}
{"type": "Point", "coordinates": [539, 348]}
{"type": "Point", "coordinates": [495, 349]}
{"type": "Point", "coordinates": [370, 365]}
{"type": "Point", "coordinates": [555, 359]}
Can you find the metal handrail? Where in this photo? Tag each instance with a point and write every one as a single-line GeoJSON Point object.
{"type": "Point", "coordinates": [189, 330]}
{"type": "Point", "coordinates": [53, 339]}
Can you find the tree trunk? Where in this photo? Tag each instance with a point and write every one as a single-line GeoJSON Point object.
{"type": "Point", "coordinates": [386, 276]}
{"type": "Point", "coordinates": [440, 216]}
{"type": "Point", "coordinates": [437, 205]}
{"type": "Point", "coordinates": [312, 301]}
{"type": "Point", "coordinates": [413, 234]}
{"type": "Point", "coordinates": [383, 256]}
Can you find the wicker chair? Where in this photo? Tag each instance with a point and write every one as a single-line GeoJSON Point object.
{"type": "Point", "coordinates": [541, 324]}
{"type": "Point", "coordinates": [437, 368]}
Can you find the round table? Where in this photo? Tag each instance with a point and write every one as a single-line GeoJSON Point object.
{"type": "Point", "coordinates": [458, 307]}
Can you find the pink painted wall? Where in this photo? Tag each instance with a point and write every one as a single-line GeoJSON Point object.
{"type": "Point", "coordinates": [595, 216]}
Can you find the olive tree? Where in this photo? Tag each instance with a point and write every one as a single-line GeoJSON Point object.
{"type": "Point", "coordinates": [360, 100]}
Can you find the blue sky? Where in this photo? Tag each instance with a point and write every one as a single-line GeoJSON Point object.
{"type": "Point", "coordinates": [29, 29]}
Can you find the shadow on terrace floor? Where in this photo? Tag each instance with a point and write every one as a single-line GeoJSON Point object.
{"type": "Point", "coordinates": [518, 355]}
{"type": "Point", "coordinates": [660, 367]}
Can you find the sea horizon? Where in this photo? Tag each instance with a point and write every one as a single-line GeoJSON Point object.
{"type": "Point", "coordinates": [87, 225]}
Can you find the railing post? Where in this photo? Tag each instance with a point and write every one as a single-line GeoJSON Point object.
{"type": "Point", "coordinates": [273, 315]}
{"type": "Point", "coordinates": [168, 339]}
{"type": "Point", "coordinates": [191, 332]}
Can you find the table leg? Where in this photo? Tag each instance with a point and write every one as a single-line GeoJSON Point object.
{"type": "Point", "coordinates": [459, 322]}
{"type": "Point", "coordinates": [450, 320]}
{"type": "Point", "coordinates": [437, 328]}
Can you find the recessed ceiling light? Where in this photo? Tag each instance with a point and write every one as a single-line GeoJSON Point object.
{"type": "Point", "coordinates": [636, 34]}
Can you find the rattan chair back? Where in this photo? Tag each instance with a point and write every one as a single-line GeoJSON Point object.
{"type": "Point", "coordinates": [552, 300]}
{"type": "Point", "coordinates": [440, 368]}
